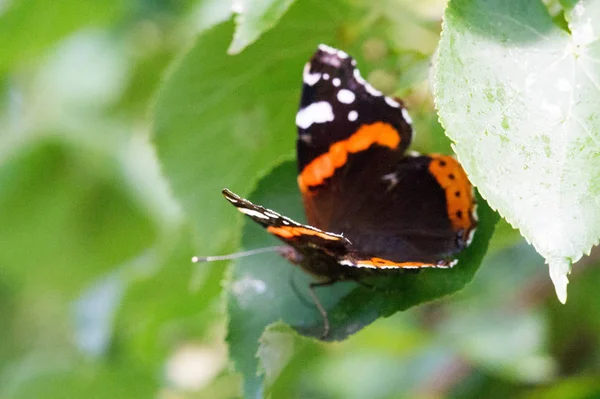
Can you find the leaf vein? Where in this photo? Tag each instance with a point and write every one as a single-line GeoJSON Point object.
{"type": "Point", "coordinates": [516, 22]}
{"type": "Point", "coordinates": [594, 60]}
{"type": "Point", "coordinates": [589, 76]}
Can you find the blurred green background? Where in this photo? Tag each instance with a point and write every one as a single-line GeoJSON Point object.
{"type": "Point", "coordinates": [98, 296]}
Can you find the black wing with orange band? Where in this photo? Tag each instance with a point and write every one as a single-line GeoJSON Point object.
{"type": "Point", "coordinates": [297, 235]}
{"type": "Point", "coordinates": [341, 114]}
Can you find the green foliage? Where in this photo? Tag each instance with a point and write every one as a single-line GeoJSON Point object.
{"type": "Point", "coordinates": [519, 96]}
{"type": "Point", "coordinates": [122, 121]}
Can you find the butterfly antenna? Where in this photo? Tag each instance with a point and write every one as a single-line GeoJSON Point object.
{"type": "Point", "coordinates": [279, 248]}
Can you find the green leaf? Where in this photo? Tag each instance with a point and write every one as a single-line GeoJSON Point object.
{"type": "Point", "coordinates": [220, 119]}
{"type": "Point", "coordinates": [253, 18]}
{"type": "Point", "coordinates": [260, 287]}
{"type": "Point", "coordinates": [520, 97]}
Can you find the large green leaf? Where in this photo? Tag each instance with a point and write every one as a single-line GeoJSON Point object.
{"type": "Point", "coordinates": [260, 287]}
{"type": "Point", "coordinates": [221, 119]}
{"type": "Point", "coordinates": [520, 99]}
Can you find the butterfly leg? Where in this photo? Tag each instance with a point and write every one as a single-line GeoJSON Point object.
{"type": "Point", "coordinates": [315, 298]}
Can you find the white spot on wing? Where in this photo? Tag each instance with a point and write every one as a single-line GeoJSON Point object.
{"type": "Point", "coordinates": [372, 91]}
{"type": "Point", "coordinates": [346, 262]}
{"type": "Point", "coordinates": [346, 96]}
{"type": "Point", "coordinates": [366, 265]}
{"type": "Point", "coordinates": [325, 76]}
{"type": "Point", "coordinates": [359, 78]}
{"type": "Point", "coordinates": [406, 116]}
{"type": "Point", "coordinates": [252, 212]}
{"type": "Point", "coordinates": [470, 236]}
{"type": "Point", "coordinates": [391, 102]}
{"type": "Point", "coordinates": [336, 82]}
{"type": "Point", "coordinates": [319, 112]}
{"type": "Point", "coordinates": [367, 86]}
{"type": "Point", "coordinates": [331, 50]}
{"type": "Point", "coordinates": [310, 78]}
{"type": "Point", "coordinates": [352, 116]}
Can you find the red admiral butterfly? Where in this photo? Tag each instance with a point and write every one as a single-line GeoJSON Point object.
{"type": "Point", "coordinates": [369, 204]}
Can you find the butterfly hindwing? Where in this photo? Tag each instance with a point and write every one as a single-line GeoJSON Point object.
{"type": "Point", "coordinates": [406, 215]}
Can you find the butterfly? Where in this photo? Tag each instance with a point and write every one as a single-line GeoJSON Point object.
{"type": "Point", "coordinates": [370, 204]}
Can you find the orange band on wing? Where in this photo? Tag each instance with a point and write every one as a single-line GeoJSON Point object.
{"type": "Point", "coordinates": [459, 192]}
{"type": "Point", "coordinates": [380, 262]}
{"type": "Point", "coordinates": [324, 166]}
{"type": "Point", "coordinates": [289, 232]}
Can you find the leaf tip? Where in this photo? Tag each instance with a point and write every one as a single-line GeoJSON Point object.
{"type": "Point", "coordinates": [559, 269]}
